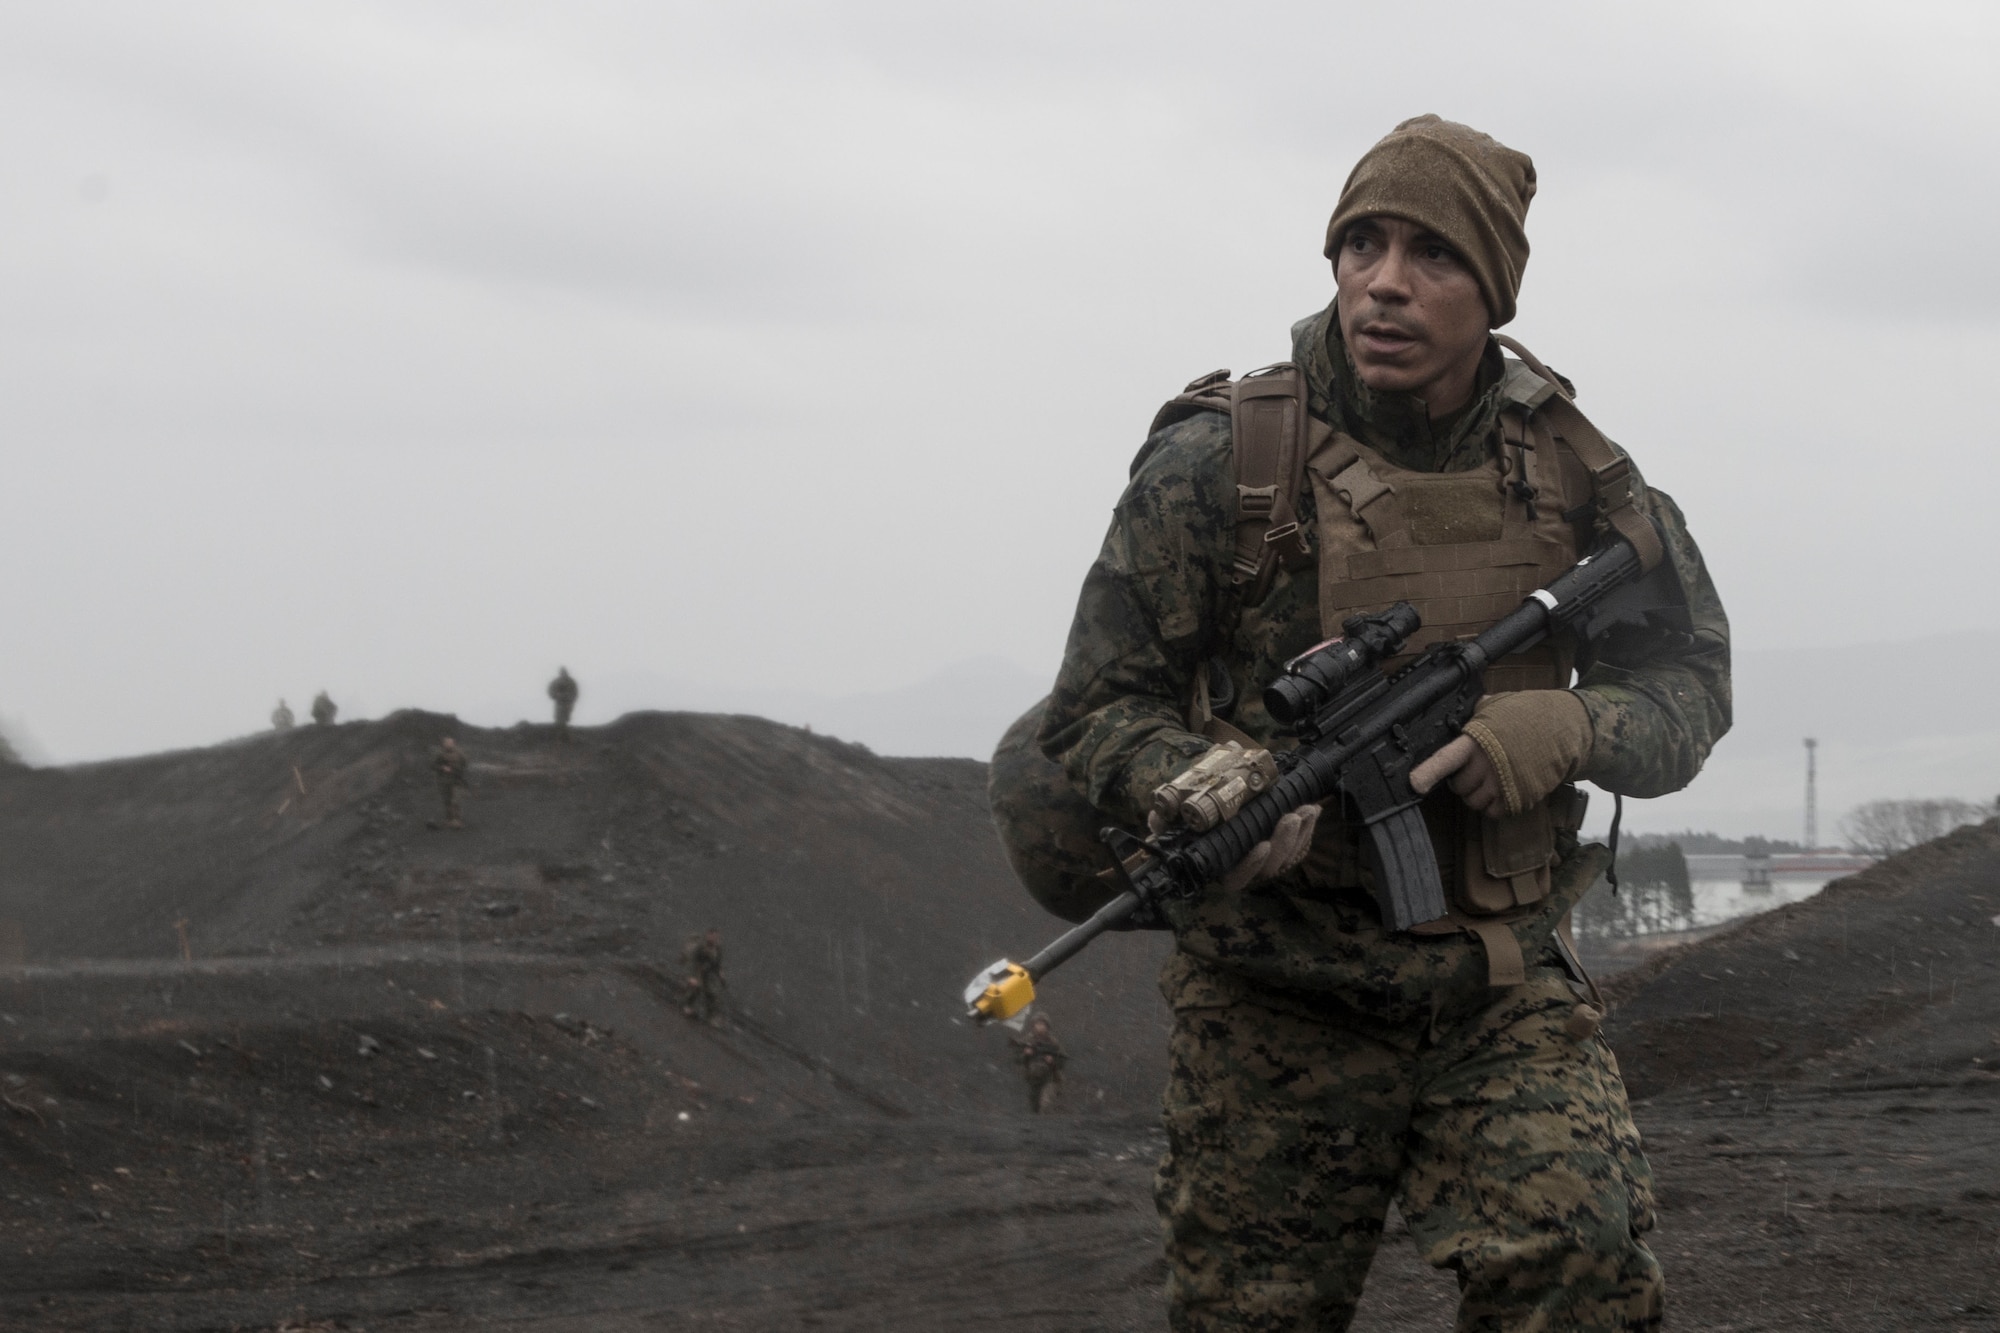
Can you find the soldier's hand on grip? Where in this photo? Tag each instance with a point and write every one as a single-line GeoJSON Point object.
{"type": "Point", "coordinates": [1516, 749]}
{"type": "Point", "coordinates": [1473, 779]}
{"type": "Point", "coordinates": [1281, 852]}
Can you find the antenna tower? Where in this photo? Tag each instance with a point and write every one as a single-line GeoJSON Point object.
{"type": "Point", "coordinates": [1812, 794]}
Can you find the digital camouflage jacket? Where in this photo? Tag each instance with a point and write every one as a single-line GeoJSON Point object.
{"type": "Point", "coordinates": [1158, 603]}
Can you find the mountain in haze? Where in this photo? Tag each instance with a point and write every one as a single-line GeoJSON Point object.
{"type": "Point", "coordinates": [1893, 720]}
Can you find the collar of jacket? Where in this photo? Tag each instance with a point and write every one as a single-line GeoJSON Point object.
{"type": "Point", "coordinates": [1396, 425]}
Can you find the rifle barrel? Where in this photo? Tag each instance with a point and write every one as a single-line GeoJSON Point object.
{"type": "Point", "coordinates": [1072, 941]}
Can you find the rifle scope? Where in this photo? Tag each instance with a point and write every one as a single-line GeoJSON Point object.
{"type": "Point", "coordinates": [1322, 673]}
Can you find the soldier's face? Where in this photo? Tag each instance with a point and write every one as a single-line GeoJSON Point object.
{"type": "Point", "coordinates": [1411, 312]}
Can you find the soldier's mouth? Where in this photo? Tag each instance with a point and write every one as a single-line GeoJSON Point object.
{"type": "Point", "coordinates": [1384, 338]}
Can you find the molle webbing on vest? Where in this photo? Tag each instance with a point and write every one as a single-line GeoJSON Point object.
{"type": "Point", "coordinates": [1465, 548]}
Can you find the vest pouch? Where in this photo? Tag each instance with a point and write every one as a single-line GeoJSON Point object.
{"type": "Point", "coordinates": [1507, 862]}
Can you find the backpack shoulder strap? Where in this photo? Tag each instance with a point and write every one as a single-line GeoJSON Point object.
{"type": "Point", "coordinates": [1267, 430]}
{"type": "Point", "coordinates": [1267, 419]}
{"type": "Point", "coordinates": [1613, 484]}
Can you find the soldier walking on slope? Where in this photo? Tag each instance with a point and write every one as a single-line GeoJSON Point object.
{"type": "Point", "coordinates": [1322, 1063]}
{"type": "Point", "coordinates": [324, 709]}
{"type": "Point", "coordinates": [563, 690]}
{"type": "Point", "coordinates": [449, 765]}
{"type": "Point", "coordinates": [1041, 1058]}
{"type": "Point", "coordinates": [701, 960]}
{"type": "Point", "coordinates": [281, 717]}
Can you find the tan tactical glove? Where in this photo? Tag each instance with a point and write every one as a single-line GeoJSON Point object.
{"type": "Point", "coordinates": [1281, 852]}
{"type": "Point", "coordinates": [1535, 740]}
{"type": "Point", "coordinates": [1215, 788]}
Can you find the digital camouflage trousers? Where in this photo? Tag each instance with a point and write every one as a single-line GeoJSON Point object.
{"type": "Point", "coordinates": [448, 793]}
{"type": "Point", "coordinates": [701, 997]}
{"type": "Point", "coordinates": [1503, 1136]}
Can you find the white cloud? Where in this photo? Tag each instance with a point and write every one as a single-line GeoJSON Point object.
{"type": "Point", "coordinates": [408, 348]}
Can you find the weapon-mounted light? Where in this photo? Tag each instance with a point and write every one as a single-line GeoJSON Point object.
{"type": "Point", "coordinates": [999, 993]}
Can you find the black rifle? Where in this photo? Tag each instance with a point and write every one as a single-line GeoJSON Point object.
{"type": "Point", "coordinates": [1359, 734]}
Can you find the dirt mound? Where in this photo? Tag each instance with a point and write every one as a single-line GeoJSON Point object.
{"type": "Point", "coordinates": [198, 1139]}
{"type": "Point", "coordinates": [856, 894]}
{"type": "Point", "coordinates": [426, 1080]}
{"type": "Point", "coordinates": [1890, 974]}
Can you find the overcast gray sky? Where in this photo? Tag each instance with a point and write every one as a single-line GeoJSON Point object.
{"type": "Point", "coordinates": [409, 349]}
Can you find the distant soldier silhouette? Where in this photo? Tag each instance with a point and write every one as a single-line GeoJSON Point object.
{"type": "Point", "coordinates": [281, 717]}
{"type": "Point", "coordinates": [449, 765]}
{"type": "Point", "coordinates": [563, 690]}
{"type": "Point", "coordinates": [701, 959]}
{"type": "Point", "coordinates": [1041, 1058]}
{"type": "Point", "coordinates": [324, 709]}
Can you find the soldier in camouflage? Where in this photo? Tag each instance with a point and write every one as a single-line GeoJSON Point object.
{"type": "Point", "coordinates": [1041, 1058]}
{"type": "Point", "coordinates": [563, 691]}
{"type": "Point", "coordinates": [449, 764]}
{"type": "Point", "coordinates": [1322, 1066]}
{"type": "Point", "coordinates": [324, 709]}
{"type": "Point", "coordinates": [281, 717]}
{"type": "Point", "coordinates": [701, 964]}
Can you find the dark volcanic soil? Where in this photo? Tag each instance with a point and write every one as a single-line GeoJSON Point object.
{"type": "Point", "coordinates": [857, 895]}
{"type": "Point", "coordinates": [414, 1079]}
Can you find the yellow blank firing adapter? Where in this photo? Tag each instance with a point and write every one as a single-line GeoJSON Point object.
{"type": "Point", "coordinates": [999, 993]}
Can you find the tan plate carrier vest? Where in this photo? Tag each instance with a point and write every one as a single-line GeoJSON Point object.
{"type": "Point", "coordinates": [1464, 548]}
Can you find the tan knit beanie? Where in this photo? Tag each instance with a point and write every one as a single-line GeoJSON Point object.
{"type": "Point", "coordinates": [1468, 187]}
